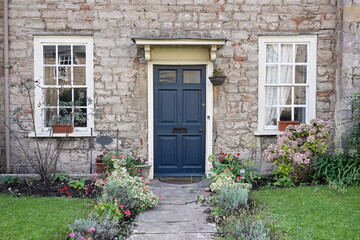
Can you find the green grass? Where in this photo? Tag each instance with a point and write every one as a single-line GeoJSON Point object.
{"type": "Point", "coordinates": [38, 217]}
{"type": "Point", "coordinates": [320, 212]}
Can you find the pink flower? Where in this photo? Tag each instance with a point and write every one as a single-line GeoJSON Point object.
{"type": "Point", "coordinates": [91, 229]}
{"type": "Point", "coordinates": [121, 206]}
{"type": "Point", "coordinates": [127, 212]}
{"type": "Point", "coordinates": [121, 156]}
{"type": "Point", "coordinates": [72, 235]}
{"type": "Point", "coordinates": [113, 157]}
{"type": "Point", "coordinates": [147, 182]}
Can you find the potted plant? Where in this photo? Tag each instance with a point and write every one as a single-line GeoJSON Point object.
{"type": "Point", "coordinates": [218, 77]}
{"type": "Point", "coordinates": [143, 167]}
{"type": "Point", "coordinates": [100, 164]}
{"type": "Point", "coordinates": [283, 124]}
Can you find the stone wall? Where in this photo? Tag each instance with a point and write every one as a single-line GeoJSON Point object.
{"type": "Point", "coordinates": [2, 145]}
{"type": "Point", "coordinates": [348, 75]}
{"type": "Point", "coordinates": [120, 69]}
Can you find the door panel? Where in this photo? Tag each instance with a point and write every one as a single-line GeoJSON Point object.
{"type": "Point", "coordinates": [179, 120]}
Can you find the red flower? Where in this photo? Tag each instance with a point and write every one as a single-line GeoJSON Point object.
{"type": "Point", "coordinates": [238, 154]}
{"type": "Point", "coordinates": [121, 206]}
{"type": "Point", "coordinates": [221, 159]}
{"type": "Point", "coordinates": [127, 212]}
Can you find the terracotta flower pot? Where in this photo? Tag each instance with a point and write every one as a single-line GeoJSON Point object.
{"type": "Point", "coordinates": [283, 124]}
{"type": "Point", "coordinates": [100, 167]}
{"type": "Point", "coordinates": [63, 128]}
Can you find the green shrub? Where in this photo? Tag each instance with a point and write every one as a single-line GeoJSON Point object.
{"type": "Point", "coordinates": [230, 199]}
{"type": "Point", "coordinates": [61, 177]}
{"type": "Point", "coordinates": [122, 193]}
{"type": "Point", "coordinates": [12, 180]}
{"type": "Point", "coordinates": [95, 227]}
{"type": "Point", "coordinates": [78, 184]}
{"type": "Point", "coordinates": [225, 180]}
{"type": "Point", "coordinates": [244, 226]}
{"type": "Point", "coordinates": [340, 168]}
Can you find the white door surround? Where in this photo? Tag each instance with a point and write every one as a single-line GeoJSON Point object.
{"type": "Point", "coordinates": [180, 52]}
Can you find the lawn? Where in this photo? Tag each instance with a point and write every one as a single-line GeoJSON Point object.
{"type": "Point", "coordinates": [319, 212]}
{"type": "Point", "coordinates": [38, 217]}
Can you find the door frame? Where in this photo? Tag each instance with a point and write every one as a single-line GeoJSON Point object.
{"type": "Point", "coordinates": [208, 112]}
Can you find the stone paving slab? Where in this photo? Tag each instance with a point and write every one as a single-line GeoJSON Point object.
{"type": "Point", "coordinates": [177, 216]}
{"type": "Point", "coordinates": [175, 227]}
{"type": "Point", "coordinates": [187, 236]}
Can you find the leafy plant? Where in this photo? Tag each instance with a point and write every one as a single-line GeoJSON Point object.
{"type": "Point", "coordinates": [296, 148]}
{"type": "Point", "coordinates": [244, 226]}
{"type": "Point", "coordinates": [230, 199]}
{"type": "Point", "coordinates": [78, 184]}
{"type": "Point", "coordinates": [111, 209]}
{"type": "Point", "coordinates": [12, 180]}
{"type": "Point", "coordinates": [96, 227]}
{"type": "Point", "coordinates": [240, 168]}
{"type": "Point", "coordinates": [124, 159]}
{"type": "Point", "coordinates": [62, 177]}
{"type": "Point", "coordinates": [339, 168]}
{"type": "Point", "coordinates": [217, 72]}
{"type": "Point", "coordinates": [354, 132]}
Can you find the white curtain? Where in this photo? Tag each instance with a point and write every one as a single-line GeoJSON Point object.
{"type": "Point", "coordinates": [272, 77]}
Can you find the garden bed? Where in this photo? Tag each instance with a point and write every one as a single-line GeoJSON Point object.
{"type": "Point", "coordinates": [53, 189]}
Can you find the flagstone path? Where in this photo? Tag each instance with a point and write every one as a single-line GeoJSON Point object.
{"type": "Point", "coordinates": [177, 216]}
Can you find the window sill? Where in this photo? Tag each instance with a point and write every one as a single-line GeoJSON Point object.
{"type": "Point", "coordinates": [267, 133]}
{"type": "Point", "coordinates": [59, 135]}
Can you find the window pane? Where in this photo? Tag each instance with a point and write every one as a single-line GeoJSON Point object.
{"type": "Point", "coordinates": [285, 114]}
{"type": "Point", "coordinates": [64, 75]}
{"type": "Point", "coordinates": [300, 95]}
{"type": "Point", "coordinates": [50, 97]}
{"type": "Point", "coordinates": [285, 95]}
{"type": "Point", "coordinates": [166, 76]}
{"type": "Point", "coordinates": [49, 54]}
{"type": "Point", "coordinates": [80, 117]}
{"type": "Point", "coordinates": [300, 114]}
{"type": "Point", "coordinates": [271, 96]}
{"type": "Point", "coordinates": [301, 53]}
{"type": "Point", "coordinates": [286, 74]}
{"type": "Point", "coordinates": [191, 76]}
{"type": "Point", "coordinates": [65, 97]}
{"type": "Point", "coordinates": [49, 115]}
{"type": "Point", "coordinates": [80, 96]}
{"type": "Point", "coordinates": [79, 75]}
{"type": "Point", "coordinates": [286, 53]}
{"type": "Point", "coordinates": [66, 115]}
{"type": "Point", "coordinates": [272, 74]}
{"type": "Point", "coordinates": [79, 54]}
{"type": "Point", "coordinates": [270, 116]}
{"type": "Point", "coordinates": [300, 74]}
{"type": "Point", "coordinates": [272, 53]}
{"type": "Point", "coordinates": [64, 54]}
{"type": "Point", "coordinates": [49, 75]}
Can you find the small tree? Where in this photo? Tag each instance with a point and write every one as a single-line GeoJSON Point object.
{"type": "Point", "coordinates": [44, 158]}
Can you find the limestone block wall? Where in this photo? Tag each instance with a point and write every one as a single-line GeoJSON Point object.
{"type": "Point", "coordinates": [348, 69]}
{"type": "Point", "coordinates": [120, 69]}
{"type": "Point", "coordinates": [2, 153]}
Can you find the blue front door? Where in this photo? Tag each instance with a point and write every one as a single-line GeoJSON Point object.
{"type": "Point", "coordinates": [179, 119]}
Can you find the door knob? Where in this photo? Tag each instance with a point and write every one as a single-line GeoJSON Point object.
{"type": "Point", "coordinates": [201, 130]}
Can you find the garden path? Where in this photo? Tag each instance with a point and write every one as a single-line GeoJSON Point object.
{"type": "Point", "coordinates": [177, 216]}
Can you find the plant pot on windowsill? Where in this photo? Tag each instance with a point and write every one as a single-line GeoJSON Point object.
{"type": "Point", "coordinates": [63, 128]}
{"type": "Point", "coordinates": [144, 170]}
{"type": "Point", "coordinates": [217, 80]}
{"type": "Point", "coordinates": [283, 124]}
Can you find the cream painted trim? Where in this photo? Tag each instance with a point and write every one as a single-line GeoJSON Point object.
{"type": "Point", "coordinates": [203, 42]}
{"type": "Point", "coordinates": [311, 99]}
{"type": "Point", "coordinates": [208, 115]}
{"type": "Point", "coordinates": [39, 42]}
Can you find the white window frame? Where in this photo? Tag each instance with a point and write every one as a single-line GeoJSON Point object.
{"type": "Point", "coordinates": [39, 42]}
{"type": "Point", "coordinates": [311, 40]}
